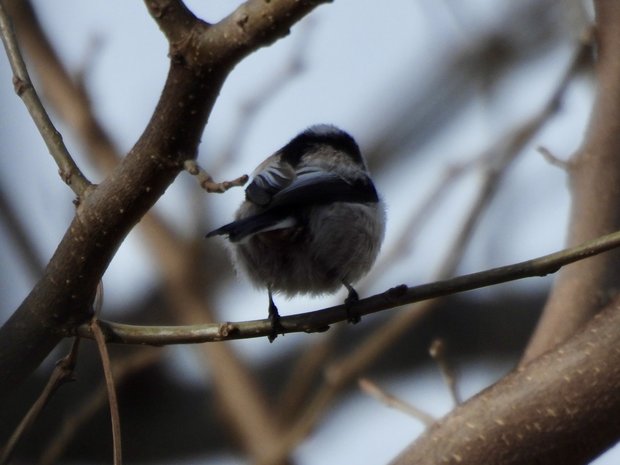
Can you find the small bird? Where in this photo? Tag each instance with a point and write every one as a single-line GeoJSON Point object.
{"type": "Point", "coordinates": [311, 221]}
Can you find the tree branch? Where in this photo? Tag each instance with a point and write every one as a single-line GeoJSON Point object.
{"type": "Point", "coordinates": [63, 373]}
{"type": "Point", "coordinates": [201, 59]}
{"type": "Point", "coordinates": [561, 408]}
{"type": "Point", "coordinates": [69, 171]}
{"type": "Point", "coordinates": [390, 400]}
{"type": "Point", "coordinates": [320, 320]}
{"type": "Point", "coordinates": [111, 390]}
{"type": "Point", "coordinates": [81, 413]}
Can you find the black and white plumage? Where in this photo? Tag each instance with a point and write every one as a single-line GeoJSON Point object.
{"type": "Point", "coordinates": [311, 221]}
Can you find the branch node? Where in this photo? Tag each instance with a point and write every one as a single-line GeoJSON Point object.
{"type": "Point", "coordinates": [226, 329]}
{"type": "Point", "coordinates": [242, 20]}
{"type": "Point", "coordinates": [20, 85]}
{"type": "Point", "coordinates": [65, 175]}
{"type": "Point", "coordinates": [157, 10]}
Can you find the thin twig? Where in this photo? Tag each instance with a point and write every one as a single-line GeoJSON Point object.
{"type": "Point", "coordinates": [319, 320]}
{"type": "Point", "coordinates": [552, 159]}
{"type": "Point", "coordinates": [82, 413]}
{"type": "Point", "coordinates": [109, 380]}
{"type": "Point", "coordinates": [437, 351]}
{"type": "Point", "coordinates": [62, 373]}
{"type": "Point", "coordinates": [69, 171]}
{"type": "Point", "coordinates": [372, 389]}
{"type": "Point", "coordinates": [206, 180]}
{"type": "Point", "coordinates": [67, 95]}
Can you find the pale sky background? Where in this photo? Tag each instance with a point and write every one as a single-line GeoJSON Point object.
{"type": "Point", "coordinates": [358, 54]}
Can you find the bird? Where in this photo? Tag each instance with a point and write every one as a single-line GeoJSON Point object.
{"type": "Point", "coordinates": [311, 222]}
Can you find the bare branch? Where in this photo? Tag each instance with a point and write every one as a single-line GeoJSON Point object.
{"type": "Point", "coordinates": [552, 159]}
{"type": "Point", "coordinates": [437, 351]}
{"type": "Point", "coordinates": [207, 182]}
{"type": "Point", "coordinates": [68, 169]}
{"type": "Point", "coordinates": [391, 400]}
{"type": "Point", "coordinates": [62, 373]}
{"type": "Point", "coordinates": [320, 320]}
{"type": "Point", "coordinates": [109, 381]}
{"type": "Point", "coordinates": [82, 413]}
{"type": "Point", "coordinates": [67, 96]}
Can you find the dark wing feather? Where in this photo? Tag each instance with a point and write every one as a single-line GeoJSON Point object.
{"type": "Point", "coordinates": [268, 182]}
{"type": "Point", "coordinates": [240, 229]}
{"type": "Point", "coordinates": [310, 187]}
{"type": "Point", "coordinates": [320, 187]}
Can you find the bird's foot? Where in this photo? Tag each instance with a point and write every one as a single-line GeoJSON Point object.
{"type": "Point", "coordinates": [352, 298]}
{"type": "Point", "coordinates": [274, 319]}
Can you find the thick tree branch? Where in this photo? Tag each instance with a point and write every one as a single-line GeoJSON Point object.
{"type": "Point", "coordinates": [561, 408]}
{"type": "Point", "coordinates": [320, 320]}
{"type": "Point", "coordinates": [200, 61]}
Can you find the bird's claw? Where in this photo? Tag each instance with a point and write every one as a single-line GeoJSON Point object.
{"type": "Point", "coordinates": [352, 316]}
{"type": "Point", "coordinates": [274, 319]}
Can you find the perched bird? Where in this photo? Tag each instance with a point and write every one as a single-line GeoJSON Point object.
{"type": "Point", "coordinates": [311, 220]}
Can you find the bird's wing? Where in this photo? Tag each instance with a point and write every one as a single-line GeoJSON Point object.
{"type": "Point", "coordinates": [317, 187]}
{"type": "Point", "coordinates": [283, 196]}
{"type": "Point", "coordinates": [268, 181]}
